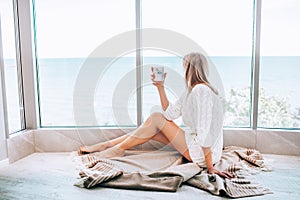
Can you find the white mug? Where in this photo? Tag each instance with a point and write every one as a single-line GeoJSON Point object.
{"type": "Point", "coordinates": [158, 73]}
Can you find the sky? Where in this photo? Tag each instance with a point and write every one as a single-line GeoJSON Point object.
{"type": "Point", "coordinates": [74, 28]}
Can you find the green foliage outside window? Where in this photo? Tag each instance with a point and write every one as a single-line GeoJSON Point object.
{"type": "Point", "coordinates": [274, 111]}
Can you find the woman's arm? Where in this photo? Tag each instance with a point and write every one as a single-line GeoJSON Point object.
{"type": "Point", "coordinates": [161, 90]}
{"type": "Point", "coordinates": [208, 159]}
{"type": "Point", "coordinates": [203, 105]}
{"type": "Point", "coordinates": [163, 97]}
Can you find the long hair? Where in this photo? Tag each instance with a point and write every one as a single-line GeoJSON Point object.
{"type": "Point", "coordinates": [196, 71]}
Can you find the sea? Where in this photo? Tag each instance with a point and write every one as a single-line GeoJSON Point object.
{"type": "Point", "coordinates": [111, 97]}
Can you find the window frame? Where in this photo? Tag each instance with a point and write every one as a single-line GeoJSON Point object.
{"type": "Point", "coordinates": [29, 70]}
{"type": "Point", "coordinates": [19, 75]}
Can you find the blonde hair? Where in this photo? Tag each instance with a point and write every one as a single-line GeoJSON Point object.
{"type": "Point", "coordinates": [196, 71]}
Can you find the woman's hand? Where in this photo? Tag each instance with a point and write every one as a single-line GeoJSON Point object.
{"type": "Point", "coordinates": [158, 84]}
{"type": "Point", "coordinates": [210, 167]}
{"type": "Point", "coordinates": [223, 174]}
{"type": "Point", "coordinates": [161, 90]}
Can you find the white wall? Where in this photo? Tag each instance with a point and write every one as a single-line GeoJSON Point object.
{"type": "Point", "coordinates": [3, 149]}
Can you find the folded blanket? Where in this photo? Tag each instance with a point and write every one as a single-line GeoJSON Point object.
{"type": "Point", "coordinates": [168, 170]}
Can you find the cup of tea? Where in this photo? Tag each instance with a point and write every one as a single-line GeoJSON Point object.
{"type": "Point", "coordinates": [158, 73]}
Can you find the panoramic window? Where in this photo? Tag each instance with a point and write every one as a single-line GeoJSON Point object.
{"type": "Point", "coordinates": [224, 30]}
{"type": "Point", "coordinates": [279, 93]}
{"type": "Point", "coordinates": [68, 34]}
{"type": "Point", "coordinates": [78, 85]}
{"type": "Point", "coordinates": [15, 110]}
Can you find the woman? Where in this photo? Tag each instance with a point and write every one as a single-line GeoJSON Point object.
{"type": "Point", "coordinates": [202, 113]}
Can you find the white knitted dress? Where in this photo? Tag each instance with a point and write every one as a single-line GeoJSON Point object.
{"type": "Point", "coordinates": [202, 114]}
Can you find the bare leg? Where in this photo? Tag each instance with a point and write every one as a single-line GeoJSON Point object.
{"type": "Point", "coordinates": [155, 127]}
{"type": "Point", "coordinates": [104, 145]}
{"type": "Point", "coordinates": [159, 136]}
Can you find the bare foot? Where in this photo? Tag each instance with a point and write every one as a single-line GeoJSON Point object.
{"type": "Point", "coordinates": [110, 153]}
{"type": "Point", "coordinates": [93, 148]}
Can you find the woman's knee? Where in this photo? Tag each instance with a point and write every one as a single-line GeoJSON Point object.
{"type": "Point", "coordinates": [155, 119]}
{"type": "Point", "coordinates": [157, 116]}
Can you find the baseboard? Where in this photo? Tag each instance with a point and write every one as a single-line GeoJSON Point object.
{"type": "Point", "coordinates": [4, 163]}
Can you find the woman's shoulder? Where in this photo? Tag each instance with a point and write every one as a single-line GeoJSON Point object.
{"type": "Point", "coordinates": [201, 89]}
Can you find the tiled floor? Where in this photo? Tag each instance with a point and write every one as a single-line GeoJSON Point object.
{"type": "Point", "coordinates": [51, 176]}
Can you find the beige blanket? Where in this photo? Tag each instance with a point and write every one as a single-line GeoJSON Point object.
{"type": "Point", "coordinates": [168, 170]}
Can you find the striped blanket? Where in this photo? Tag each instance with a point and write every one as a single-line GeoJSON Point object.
{"type": "Point", "coordinates": [167, 171]}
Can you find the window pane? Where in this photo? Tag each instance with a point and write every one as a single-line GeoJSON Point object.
{"type": "Point", "coordinates": [14, 110]}
{"type": "Point", "coordinates": [279, 101]}
{"type": "Point", "coordinates": [224, 30]}
{"type": "Point", "coordinates": [67, 32]}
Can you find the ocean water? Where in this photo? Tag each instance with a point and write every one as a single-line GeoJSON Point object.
{"type": "Point", "coordinates": [114, 94]}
